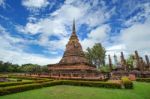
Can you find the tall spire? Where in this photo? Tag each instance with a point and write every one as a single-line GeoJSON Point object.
{"type": "Point", "coordinates": [73, 35]}
{"type": "Point", "coordinates": [73, 27]}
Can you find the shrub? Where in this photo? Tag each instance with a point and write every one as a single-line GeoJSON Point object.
{"type": "Point", "coordinates": [20, 88]}
{"type": "Point", "coordinates": [26, 77]}
{"type": "Point", "coordinates": [4, 84]}
{"type": "Point", "coordinates": [143, 79]}
{"type": "Point", "coordinates": [19, 80]}
{"type": "Point", "coordinates": [91, 84]}
{"type": "Point", "coordinates": [127, 83]}
{"type": "Point", "coordinates": [41, 81]}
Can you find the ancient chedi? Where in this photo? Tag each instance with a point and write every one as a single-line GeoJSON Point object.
{"type": "Point", "coordinates": [73, 64]}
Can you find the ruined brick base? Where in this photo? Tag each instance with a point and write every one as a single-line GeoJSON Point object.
{"type": "Point", "coordinates": [74, 71]}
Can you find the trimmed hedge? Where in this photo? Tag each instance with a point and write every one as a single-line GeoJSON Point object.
{"type": "Point", "coordinates": [92, 84]}
{"type": "Point", "coordinates": [80, 79]}
{"type": "Point", "coordinates": [127, 83]}
{"type": "Point", "coordinates": [5, 84]}
{"type": "Point", "coordinates": [143, 79]}
{"type": "Point", "coordinates": [27, 77]}
{"type": "Point", "coordinates": [20, 88]}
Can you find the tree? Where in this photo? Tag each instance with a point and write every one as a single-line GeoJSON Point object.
{"type": "Point", "coordinates": [28, 68]}
{"type": "Point", "coordinates": [37, 69]}
{"type": "Point", "coordinates": [45, 69]}
{"type": "Point", "coordinates": [130, 61]}
{"type": "Point", "coordinates": [96, 55]}
{"type": "Point", "coordinates": [25, 68]}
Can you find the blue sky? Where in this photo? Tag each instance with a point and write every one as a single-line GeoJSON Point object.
{"type": "Point", "coordinates": [36, 31]}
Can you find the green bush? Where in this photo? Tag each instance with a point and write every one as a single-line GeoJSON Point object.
{"type": "Point", "coordinates": [19, 80]}
{"type": "Point", "coordinates": [92, 84]}
{"type": "Point", "coordinates": [20, 88]}
{"type": "Point", "coordinates": [4, 84]}
{"type": "Point", "coordinates": [41, 81]}
{"type": "Point", "coordinates": [27, 77]}
{"type": "Point", "coordinates": [143, 79]}
{"type": "Point", "coordinates": [127, 83]}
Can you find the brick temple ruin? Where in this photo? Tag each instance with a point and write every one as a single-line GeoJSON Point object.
{"type": "Point", "coordinates": [73, 64]}
{"type": "Point", "coordinates": [139, 68]}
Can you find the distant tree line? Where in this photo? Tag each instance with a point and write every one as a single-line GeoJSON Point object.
{"type": "Point", "coordinates": [25, 68]}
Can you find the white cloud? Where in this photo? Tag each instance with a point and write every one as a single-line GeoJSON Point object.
{"type": "Point", "coordinates": [130, 39]}
{"type": "Point", "coordinates": [20, 57]}
{"type": "Point", "coordinates": [69, 12]}
{"type": "Point", "coordinates": [93, 14]}
{"type": "Point", "coordinates": [32, 4]}
{"type": "Point", "coordinates": [115, 50]}
{"type": "Point", "coordinates": [12, 52]}
{"type": "Point", "coordinates": [45, 26]}
{"type": "Point", "coordinates": [7, 39]}
{"type": "Point", "coordinates": [99, 33]}
{"type": "Point", "coordinates": [118, 47]}
{"type": "Point", "coordinates": [58, 22]}
{"type": "Point", "coordinates": [53, 45]}
{"type": "Point", "coordinates": [95, 36]}
{"type": "Point", "coordinates": [2, 3]}
{"type": "Point", "coordinates": [137, 36]}
{"type": "Point", "coordinates": [141, 15]}
{"type": "Point", "coordinates": [30, 28]}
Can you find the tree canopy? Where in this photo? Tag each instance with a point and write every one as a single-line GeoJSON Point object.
{"type": "Point", "coordinates": [96, 55]}
{"type": "Point", "coordinates": [25, 68]}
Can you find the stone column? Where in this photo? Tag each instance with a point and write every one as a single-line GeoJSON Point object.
{"type": "Point", "coordinates": [142, 64]}
{"type": "Point", "coordinates": [123, 62]}
{"type": "Point", "coordinates": [137, 59]}
{"type": "Point", "coordinates": [147, 62]}
{"type": "Point", "coordinates": [134, 63]}
{"type": "Point", "coordinates": [110, 63]}
{"type": "Point", "coordinates": [115, 60]}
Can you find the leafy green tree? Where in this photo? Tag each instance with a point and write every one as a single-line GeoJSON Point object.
{"type": "Point", "coordinates": [130, 61]}
{"type": "Point", "coordinates": [28, 68]}
{"type": "Point", "coordinates": [32, 68]}
{"type": "Point", "coordinates": [25, 68]}
{"type": "Point", "coordinates": [38, 69]}
{"type": "Point", "coordinates": [96, 55]}
{"type": "Point", "coordinates": [45, 69]}
{"type": "Point", "coordinates": [1, 66]}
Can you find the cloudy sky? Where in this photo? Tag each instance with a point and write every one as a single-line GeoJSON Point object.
{"type": "Point", "coordinates": [36, 31]}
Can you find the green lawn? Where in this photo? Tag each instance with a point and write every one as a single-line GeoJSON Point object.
{"type": "Point", "coordinates": [140, 91]}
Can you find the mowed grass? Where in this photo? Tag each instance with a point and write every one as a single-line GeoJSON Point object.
{"type": "Point", "coordinates": [140, 91]}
